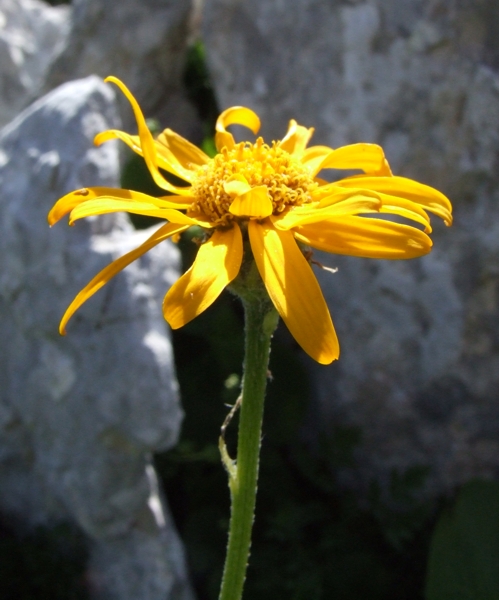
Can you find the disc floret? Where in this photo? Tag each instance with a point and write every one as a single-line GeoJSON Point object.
{"type": "Point", "coordinates": [288, 182]}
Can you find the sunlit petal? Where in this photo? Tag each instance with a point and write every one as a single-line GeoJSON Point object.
{"type": "Point", "coordinates": [296, 139]}
{"type": "Point", "coordinates": [189, 156]}
{"type": "Point", "coordinates": [255, 203]}
{"type": "Point", "coordinates": [217, 264]}
{"type": "Point", "coordinates": [70, 201]}
{"type": "Point", "coordinates": [147, 142]}
{"type": "Point", "coordinates": [314, 156]}
{"type": "Point", "coordinates": [164, 156]}
{"type": "Point", "coordinates": [236, 115]}
{"type": "Point", "coordinates": [429, 198]}
{"type": "Point", "coordinates": [369, 158]}
{"type": "Point", "coordinates": [294, 290]}
{"type": "Point", "coordinates": [102, 206]}
{"type": "Point", "coordinates": [356, 204]}
{"type": "Point", "coordinates": [161, 234]}
{"type": "Point", "coordinates": [237, 185]}
{"type": "Point", "coordinates": [365, 237]}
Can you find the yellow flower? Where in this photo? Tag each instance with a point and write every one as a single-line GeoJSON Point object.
{"type": "Point", "coordinates": [270, 199]}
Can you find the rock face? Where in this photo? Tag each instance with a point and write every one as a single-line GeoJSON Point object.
{"type": "Point", "coordinates": [80, 415]}
{"type": "Point", "coordinates": [419, 366]}
{"type": "Point", "coordinates": [32, 34]}
{"type": "Point", "coordinates": [142, 42]}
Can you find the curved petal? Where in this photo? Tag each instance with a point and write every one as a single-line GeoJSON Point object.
{"type": "Point", "coordinates": [365, 237]}
{"type": "Point", "coordinates": [164, 157]}
{"type": "Point", "coordinates": [255, 203]}
{"type": "Point", "coordinates": [236, 115]}
{"type": "Point", "coordinates": [294, 290]}
{"type": "Point", "coordinates": [429, 198]}
{"type": "Point", "coordinates": [147, 141]}
{"type": "Point", "coordinates": [217, 263]}
{"type": "Point", "coordinates": [370, 158]}
{"type": "Point", "coordinates": [405, 208]}
{"type": "Point", "coordinates": [313, 157]}
{"type": "Point", "coordinates": [296, 139]}
{"type": "Point", "coordinates": [70, 201]}
{"type": "Point", "coordinates": [164, 232]}
{"type": "Point", "coordinates": [356, 204]}
{"type": "Point", "coordinates": [187, 154]}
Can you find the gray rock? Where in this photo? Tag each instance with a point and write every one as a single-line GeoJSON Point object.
{"type": "Point", "coordinates": [80, 415]}
{"type": "Point", "coordinates": [32, 34]}
{"type": "Point", "coordinates": [142, 42]}
{"type": "Point", "coordinates": [419, 366]}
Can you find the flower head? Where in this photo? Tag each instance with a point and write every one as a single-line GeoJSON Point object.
{"type": "Point", "coordinates": [268, 202]}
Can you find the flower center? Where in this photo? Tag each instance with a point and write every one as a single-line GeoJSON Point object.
{"type": "Point", "coordinates": [288, 182]}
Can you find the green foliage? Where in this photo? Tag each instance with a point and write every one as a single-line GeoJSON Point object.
{"type": "Point", "coordinates": [464, 554]}
{"type": "Point", "coordinates": [46, 564]}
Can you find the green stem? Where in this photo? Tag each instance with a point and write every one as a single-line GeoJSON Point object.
{"type": "Point", "coordinates": [260, 322]}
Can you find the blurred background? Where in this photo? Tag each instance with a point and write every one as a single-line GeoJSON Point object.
{"type": "Point", "coordinates": [379, 473]}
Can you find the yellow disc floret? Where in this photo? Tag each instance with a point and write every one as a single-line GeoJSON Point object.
{"type": "Point", "coordinates": [287, 181]}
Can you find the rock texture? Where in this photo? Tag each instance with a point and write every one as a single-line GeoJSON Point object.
{"type": "Point", "coordinates": [419, 367]}
{"type": "Point", "coordinates": [144, 43]}
{"type": "Point", "coordinates": [32, 34]}
{"type": "Point", "coordinates": [80, 415]}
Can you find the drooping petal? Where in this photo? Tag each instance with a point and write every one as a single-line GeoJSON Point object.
{"type": "Point", "coordinates": [70, 201]}
{"type": "Point", "coordinates": [217, 264]}
{"type": "Point", "coordinates": [369, 158]}
{"type": "Point", "coordinates": [429, 198]}
{"type": "Point", "coordinates": [354, 205]}
{"type": "Point", "coordinates": [255, 203]}
{"type": "Point", "coordinates": [294, 290]}
{"type": "Point", "coordinates": [147, 141]}
{"type": "Point", "coordinates": [236, 115]}
{"type": "Point", "coordinates": [296, 139]}
{"type": "Point", "coordinates": [365, 237]}
{"type": "Point", "coordinates": [161, 234]}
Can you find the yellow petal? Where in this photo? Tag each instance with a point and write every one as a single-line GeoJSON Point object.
{"type": "Point", "coordinates": [405, 208]}
{"type": "Point", "coordinates": [164, 157]}
{"type": "Point", "coordinates": [236, 115]}
{"type": "Point", "coordinates": [188, 155]}
{"type": "Point", "coordinates": [255, 203]}
{"type": "Point", "coordinates": [115, 267]}
{"type": "Point", "coordinates": [70, 201]}
{"type": "Point", "coordinates": [103, 205]}
{"type": "Point", "coordinates": [294, 290]}
{"type": "Point", "coordinates": [237, 185]}
{"type": "Point", "coordinates": [147, 142]}
{"type": "Point", "coordinates": [370, 158]}
{"type": "Point", "coordinates": [424, 195]}
{"type": "Point", "coordinates": [314, 156]}
{"type": "Point", "coordinates": [296, 139]}
{"type": "Point", "coordinates": [217, 263]}
{"type": "Point", "coordinates": [365, 237]}
{"type": "Point", "coordinates": [356, 204]}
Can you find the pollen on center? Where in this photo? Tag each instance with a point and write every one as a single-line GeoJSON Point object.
{"type": "Point", "coordinates": [287, 181]}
